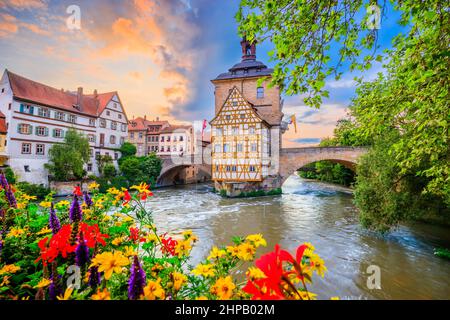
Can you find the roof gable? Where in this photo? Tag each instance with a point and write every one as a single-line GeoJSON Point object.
{"type": "Point", "coordinates": [236, 110]}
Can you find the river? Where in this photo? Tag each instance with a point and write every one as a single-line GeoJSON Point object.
{"type": "Point", "coordinates": [324, 215]}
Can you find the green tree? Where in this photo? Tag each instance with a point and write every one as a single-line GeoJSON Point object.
{"type": "Point", "coordinates": [306, 34]}
{"type": "Point", "coordinates": [67, 160]}
{"type": "Point", "coordinates": [151, 166]}
{"type": "Point", "coordinates": [109, 171]}
{"type": "Point", "coordinates": [103, 161]}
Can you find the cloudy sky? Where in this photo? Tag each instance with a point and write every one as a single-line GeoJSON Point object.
{"type": "Point", "coordinates": [160, 55]}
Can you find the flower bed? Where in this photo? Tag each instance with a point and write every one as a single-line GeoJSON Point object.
{"type": "Point", "coordinates": [105, 246]}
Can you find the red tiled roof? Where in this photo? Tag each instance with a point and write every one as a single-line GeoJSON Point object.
{"type": "Point", "coordinates": [141, 124]}
{"type": "Point", "coordinates": [2, 123]}
{"type": "Point", "coordinates": [31, 91]}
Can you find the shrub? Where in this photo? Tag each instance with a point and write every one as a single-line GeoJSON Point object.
{"type": "Point", "coordinates": [36, 190]}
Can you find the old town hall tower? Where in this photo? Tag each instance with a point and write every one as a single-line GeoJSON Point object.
{"type": "Point", "coordinates": [246, 133]}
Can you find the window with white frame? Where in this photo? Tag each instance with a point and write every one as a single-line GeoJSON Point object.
{"type": "Point", "coordinates": [124, 127]}
{"type": "Point", "coordinates": [72, 118]}
{"type": "Point", "coordinates": [44, 112]}
{"type": "Point", "coordinates": [113, 125]}
{"type": "Point", "coordinates": [217, 148]}
{"type": "Point", "coordinates": [92, 122]}
{"type": "Point", "coordinates": [60, 115]}
{"type": "Point", "coordinates": [26, 148]}
{"type": "Point", "coordinates": [254, 147]}
{"type": "Point", "coordinates": [251, 130]}
{"type": "Point", "coordinates": [239, 147]}
{"type": "Point", "coordinates": [103, 123]}
{"type": "Point", "coordinates": [91, 137]}
{"type": "Point", "coordinates": [58, 133]}
{"type": "Point", "coordinates": [40, 148]}
{"type": "Point", "coordinates": [24, 128]}
{"type": "Point", "coordinates": [42, 131]}
{"type": "Point", "coordinates": [112, 139]}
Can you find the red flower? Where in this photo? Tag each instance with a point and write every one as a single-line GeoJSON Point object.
{"type": "Point", "coordinates": [134, 234]}
{"type": "Point", "coordinates": [271, 264]}
{"type": "Point", "coordinates": [59, 244]}
{"type": "Point", "coordinates": [77, 191]}
{"type": "Point", "coordinates": [168, 245]}
{"type": "Point", "coordinates": [126, 197]}
{"type": "Point", "coordinates": [93, 235]}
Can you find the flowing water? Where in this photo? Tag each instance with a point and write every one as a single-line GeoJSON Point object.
{"type": "Point", "coordinates": [324, 215]}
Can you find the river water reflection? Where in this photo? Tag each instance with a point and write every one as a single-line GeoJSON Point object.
{"type": "Point", "coordinates": [324, 215]}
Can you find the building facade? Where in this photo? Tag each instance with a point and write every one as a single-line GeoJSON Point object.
{"type": "Point", "coordinates": [246, 130]}
{"type": "Point", "coordinates": [38, 116]}
{"type": "Point", "coordinates": [144, 134]}
{"type": "Point", "coordinates": [176, 140]}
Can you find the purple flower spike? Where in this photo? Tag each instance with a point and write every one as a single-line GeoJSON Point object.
{"type": "Point", "coordinates": [53, 221]}
{"type": "Point", "coordinates": [81, 252]}
{"type": "Point", "coordinates": [75, 212]}
{"type": "Point", "coordinates": [94, 277]}
{"type": "Point", "coordinates": [137, 280]}
{"type": "Point", "coordinates": [87, 199]}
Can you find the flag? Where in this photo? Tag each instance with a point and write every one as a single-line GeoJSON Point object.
{"type": "Point", "coordinates": [205, 123]}
{"type": "Point", "coordinates": [294, 121]}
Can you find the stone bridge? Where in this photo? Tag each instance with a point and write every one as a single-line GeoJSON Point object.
{"type": "Point", "coordinates": [173, 165]}
{"type": "Point", "coordinates": [292, 159]}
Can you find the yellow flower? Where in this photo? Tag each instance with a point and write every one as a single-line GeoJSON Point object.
{"type": "Point", "coordinates": [205, 270]}
{"type": "Point", "coordinates": [66, 295]}
{"type": "Point", "coordinates": [255, 273]}
{"type": "Point", "coordinates": [152, 238]}
{"type": "Point", "coordinates": [306, 295]}
{"type": "Point", "coordinates": [201, 298]}
{"type": "Point", "coordinates": [94, 185]}
{"type": "Point", "coordinates": [5, 281]}
{"type": "Point", "coordinates": [45, 204]}
{"type": "Point", "coordinates": [28, 198]}
{"type": "Point", "coordinates": [142, 188]}
{"type": "Point", "coordinates": [118, 241]}
{"type": "Point", "coordinates": [107, 218]}
{"type": "Point", "coordinates": [9, 268]}
{"type": "Point", "coordinates": [109, 262]}
{"type": "Point", "coordinates": [101, 295]}
{"type": "Point", "coordinates": [113, 191]}
{"type": "Point", "coordinates": [62, 204]}
{"type": "Point", "coordinates": [154, 290]}
{"type": "Point", "coordinates": [129, 251]}
{"type": "Point", "coordinates": [318, 265]}
{"type": "Point", "coordinates": [21, 205]}
{"type": "Point", "coordinates": [257, 240]}
{"type": "Point", "coordinates": [246, 251]}
{"type": "Point", "coordinates": [216, 253]}
{"type": "Point", "coordinates": [44, 230]}
{"type": "Point", "coordinates": [223, 288]}
{"type": "Point", "coordinates": [179, 280]}
{"type": "Point", "coordinates": [43, 283]}
{"type": "Point", "coordinates": [233, 250]}
{"type": "Point", "coordinates": [182, 248]}
{"type": "Point", "coordinates": [334, 298]}
{"type": "Point", "coordinates": [15, 232]}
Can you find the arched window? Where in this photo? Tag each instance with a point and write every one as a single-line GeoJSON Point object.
{"type": "Point", "coordinates": [260, 92]}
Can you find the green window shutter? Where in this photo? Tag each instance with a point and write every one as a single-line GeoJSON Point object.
{"type": "Point", "coordinates": [54, 133]}
{"type": "Point", "coordinates": [18, 128]}
{"type": "Point", "coordinates": [46, 132]}
{"type": "Point", "coordinates": [36, 131]}
{"type": "Point", "coordinates": [22, 107]}
{"type": "Point", "coordinates": [31, 110]}
{"type": "Point", "coordinates": [30, 130]}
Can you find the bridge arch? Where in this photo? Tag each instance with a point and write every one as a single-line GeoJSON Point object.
{"type": "Point", "coordinates": [180, 173]}
{"type": "Point", "coordinates": [292, 159]}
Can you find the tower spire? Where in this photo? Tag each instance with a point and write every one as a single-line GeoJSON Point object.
{"type": "Point", "coordinates": [248, 49]}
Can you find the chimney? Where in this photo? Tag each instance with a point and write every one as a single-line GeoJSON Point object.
{"type": "Point", "coordinates": [62, 89]}
{"type": "Point", "coordinates": [79, 97]}
{"type": "Point", "coordinates": [157, 118]}
{"type": "Point", "coordinates": [95, 94]}
{"type": "Point", "coordinates": [145, 117]}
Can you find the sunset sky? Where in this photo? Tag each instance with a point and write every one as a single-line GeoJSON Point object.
{"type": "Point", "coordinates": [159, 55]}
